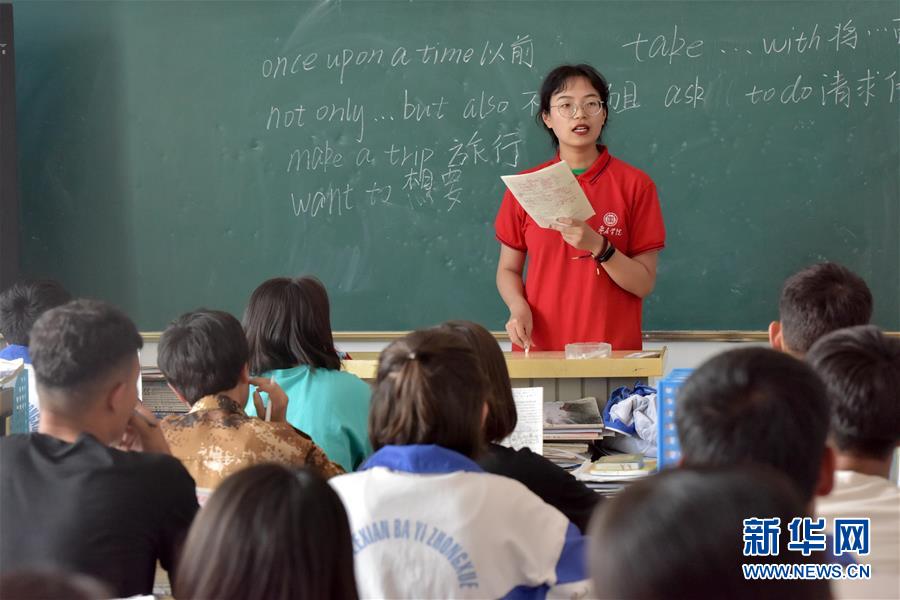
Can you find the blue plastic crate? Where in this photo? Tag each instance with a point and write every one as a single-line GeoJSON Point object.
{"type": "Point", "coordinates": [19, 420]}
{"type": "Point", "coordinates": [668, 448]}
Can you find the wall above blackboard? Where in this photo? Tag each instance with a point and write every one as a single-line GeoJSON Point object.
{"type": "Point", "coordinates": [175, 154]}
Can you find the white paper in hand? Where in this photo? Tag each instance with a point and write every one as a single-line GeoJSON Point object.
{"type": "Point", "coordinates": [550, 193]}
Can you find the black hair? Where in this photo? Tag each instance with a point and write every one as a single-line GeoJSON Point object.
{"type": "Point", "coordinates": [861, 370]}
{"type": "Point", "coordinates": [820, 299]}
{"type": "Point", "coordinates": [202, 353]}
{"type": "Point", "coordinates": [23, 302]}
{"type": "Point", "coordinates": [269, 533]}
{"type": "Point", "coordinates": [679, 535]}
{"type": "Point", "coordinates": [557, 80]}
{"type": "Point", "coordinates": [77, 345]}
{"type": "Point", "coordinates": [502, 416]}
{"type": "Point", "coordinates": [429, 389]}
{"type": "Point", "coordinates": [755, 405]}
{"type": "Point", "coordinates": [288, 323]}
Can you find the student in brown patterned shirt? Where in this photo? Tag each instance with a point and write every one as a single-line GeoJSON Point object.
{"type": "Point", "coordinates": [203, 356]}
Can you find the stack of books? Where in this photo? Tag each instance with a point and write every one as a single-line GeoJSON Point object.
{"type": "Point", "coordinates": [570, 427]}
{"type": "Point", "coordinates": [610, 474]}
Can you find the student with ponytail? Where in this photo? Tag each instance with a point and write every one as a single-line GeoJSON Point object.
{"type": "Point", "coordinates": [426, 521]}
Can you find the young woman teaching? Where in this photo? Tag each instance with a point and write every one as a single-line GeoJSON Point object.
{"type": "Point", "coordinates": [586, 279]}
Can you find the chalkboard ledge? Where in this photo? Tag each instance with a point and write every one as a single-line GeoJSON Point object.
{"type": "Point", "coordinates": [648, 336]}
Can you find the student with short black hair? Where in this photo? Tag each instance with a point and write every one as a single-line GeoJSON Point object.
{"type": "Point", "coordinates": [288, 328]}
{"type": "Point", "coordinates": [817, 300]}
{"type": "Point", "coordinates": [426, 521]}
{"type": "Point", "coordinates": [554, 485]}
{"type": "Point", "coordinates": [20, 306]}
{"type": "Point", "coordinates": [269, 533]}
{"type": "Point", "coordinates": [679, 535]}
{"type": "Point", "coordinates": [204, 357]}
{"type": "Point", "coordinates": [69, 498]}
{"type": "Point", "coordinates": [861, 370]}
{"type": "Point", "coordinates": [757, 406]}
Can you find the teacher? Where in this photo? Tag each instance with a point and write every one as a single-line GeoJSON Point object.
{"type": "Point", "coordinates": [565, 299]}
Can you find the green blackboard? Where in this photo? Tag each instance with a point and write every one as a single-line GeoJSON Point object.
{"type": "Point", "coordinates": [175, 154]}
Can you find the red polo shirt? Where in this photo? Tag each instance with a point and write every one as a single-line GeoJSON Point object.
{"type": "Point", "coordinates": [569, 301]}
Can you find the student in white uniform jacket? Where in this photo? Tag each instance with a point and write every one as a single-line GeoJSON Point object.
{"type": "Point", "coordinates": [861, 369]}
{"type": "Point", "coordinates": [425, 520]}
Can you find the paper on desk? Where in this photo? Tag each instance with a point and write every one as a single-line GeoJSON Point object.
{"type": "Point", "coordinates": [529, 431]}
{"type": "Point", "coordinates": [550, 193]}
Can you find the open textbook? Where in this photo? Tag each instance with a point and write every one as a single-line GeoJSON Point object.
{"type": "Point", "coordinates": [550, 193]}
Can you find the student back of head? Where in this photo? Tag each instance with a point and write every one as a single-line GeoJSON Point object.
{"type": "Point", "coordinates": [288, 328]}
{"type": "Point", "coordinates": [426, 521]}
{"type": "Point", "coordinates": [204, 358]}
{"type": "Point", "coordinates": [861, 370]}
{"type": "Point", "coordinates": [20, 306]}
{"type": "Point", "coordinates": [760, 406]}
{"type": "Point", "coordinates": [757, 406]}
{"type": "Point", "coordinates": [269, 533]}
{"type": "Point", "coordinates": [678, 535]}
{"type": "Point", "coordinates": [554, 485]}
{"type": "Point", "coordinates": [69, 499]}
{"type": "Point", "coordinates": [817, 300]}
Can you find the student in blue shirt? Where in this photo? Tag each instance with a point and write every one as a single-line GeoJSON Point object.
{"type": "Point", "coordinates": [20, 306]}
{"type": "Point", "coordinates": [288, 326]}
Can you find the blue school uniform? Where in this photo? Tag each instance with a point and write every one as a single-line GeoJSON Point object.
{"type": "Point", "coordinates": [427, 522]}
{"type": "Point", "coordinates": [14, 351]}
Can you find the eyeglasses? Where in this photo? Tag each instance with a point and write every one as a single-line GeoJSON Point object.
{"type": "Point", "coordinates": [591, 108]}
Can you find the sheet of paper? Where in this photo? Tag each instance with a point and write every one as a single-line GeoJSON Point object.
{"type": "Point", "coordinates": [550, 193]}
{"type": "Point", "coordinates": [34, 403]}
{"type": "Point", "coordinates": [529, 431]}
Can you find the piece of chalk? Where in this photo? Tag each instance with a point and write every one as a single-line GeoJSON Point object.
{"type": "Point", "coordinates": [269, 403]}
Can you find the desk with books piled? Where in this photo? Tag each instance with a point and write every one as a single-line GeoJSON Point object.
{"type": "Point", "coordinates": [575, 393]}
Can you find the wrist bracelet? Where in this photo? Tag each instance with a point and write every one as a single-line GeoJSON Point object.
{"type": "Point", "coordinates": [606, 254]}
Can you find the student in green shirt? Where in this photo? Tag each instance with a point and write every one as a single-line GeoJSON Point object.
{"type": "Point", "coordinates": [288, 326]}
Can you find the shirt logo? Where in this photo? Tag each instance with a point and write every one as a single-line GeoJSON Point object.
{"type": "Point", "coordinates": [610, 219]}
